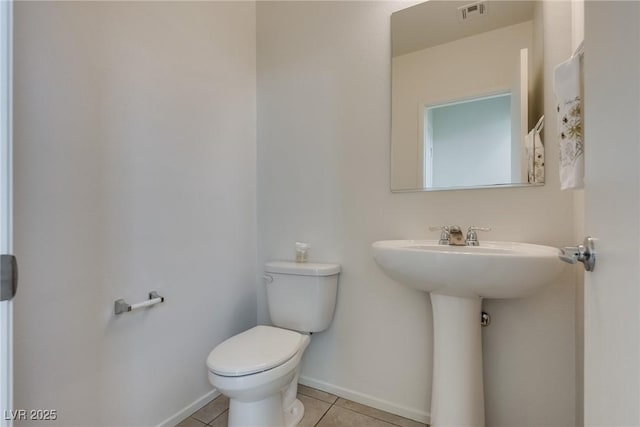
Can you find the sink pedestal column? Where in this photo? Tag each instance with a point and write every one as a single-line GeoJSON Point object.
{"type": "Point", "coordinates": [457, 395]}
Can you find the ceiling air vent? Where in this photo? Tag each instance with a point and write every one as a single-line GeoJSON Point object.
{"type": "Point", "coordinates": [472, 10]}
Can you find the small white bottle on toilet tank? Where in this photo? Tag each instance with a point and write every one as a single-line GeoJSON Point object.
{"type": "Point", "coordinates": [302, 252]}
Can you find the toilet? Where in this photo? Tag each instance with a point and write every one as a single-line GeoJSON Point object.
{"type": "Point", "coordinates": [258, 369]}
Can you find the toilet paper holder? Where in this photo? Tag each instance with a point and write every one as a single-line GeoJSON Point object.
{"type": "Point", "coordinates": [121, 306]}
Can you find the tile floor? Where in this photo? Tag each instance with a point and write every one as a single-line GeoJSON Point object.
{"type": "Point", "coordinates": [321, 409]}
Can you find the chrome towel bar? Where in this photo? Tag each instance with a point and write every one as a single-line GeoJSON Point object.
{"type": "Point", "coordinates": [121, 306]}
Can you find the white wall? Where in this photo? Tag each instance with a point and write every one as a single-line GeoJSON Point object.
{"type": "Point", "coordinates": [134, 171]}
{"type": "Point", "coordinates": [577, 36]}
{"type": "Point", "coordinates": [323, 177]}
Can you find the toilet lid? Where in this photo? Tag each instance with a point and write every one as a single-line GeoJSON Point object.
{"type": "Point", "coordinates": [258, 349]}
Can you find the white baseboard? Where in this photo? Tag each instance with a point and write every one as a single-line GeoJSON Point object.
{"type": "Point", "coordinates": [189, 409]}
{"type": "Point", "coordinates": [365, 399]}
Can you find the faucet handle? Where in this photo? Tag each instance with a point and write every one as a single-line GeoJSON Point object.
{"type": "Point", "coordinates": [444, 235]}
{"type": "Point", "coordinates": [474, 228]}
{"type": "Point", "coordinates": [472, 236]}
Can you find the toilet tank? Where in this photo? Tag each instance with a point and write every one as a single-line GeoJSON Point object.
{"type": "Point", "coordinates": [301, 296]}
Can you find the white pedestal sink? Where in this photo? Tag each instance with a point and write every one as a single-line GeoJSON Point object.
{"type": "Point", "coordinates": [458, 277]}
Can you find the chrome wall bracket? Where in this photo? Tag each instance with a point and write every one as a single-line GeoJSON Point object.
{"type": "Point", "coordinates": [585, 253]}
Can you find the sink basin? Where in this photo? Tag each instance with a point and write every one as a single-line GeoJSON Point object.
{"type": "Point", "coordinates": [491, 270]}
{"type": "Point", "coordinates": [458, 278]}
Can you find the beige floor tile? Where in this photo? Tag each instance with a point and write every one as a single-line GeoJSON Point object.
{"type": "Point", "coordinates": [221, 421]}
{"type": "Point", "coordinates": [212, 409]}
{"type": "Point", "coordinates": [318, 412]}
{"type": "Point", "coordinates": [378, 414]}
{"type": "Point", "coordinates": [314, 409]}
{"type": "Point", "coordinates": [190, 422]}
{"type": "Point", "coordinates": [338, 416]}
{"type": "Point", "coordinates": [317, 394]}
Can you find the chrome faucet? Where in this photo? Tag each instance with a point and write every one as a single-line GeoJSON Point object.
{"type": "Point", "coordinates": [472, 236]}
{"type": "Point", "coordinates": [455, 236]}
{"type": "Point", "coordinates": [449, 235]}
{"type": "Point", "coordinates": [452, 235]}
{"type": "Point", "coordinates": [444, 234]}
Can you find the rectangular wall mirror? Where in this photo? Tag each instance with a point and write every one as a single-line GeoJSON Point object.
{"type": "Point", "coordinates": [466, 95]}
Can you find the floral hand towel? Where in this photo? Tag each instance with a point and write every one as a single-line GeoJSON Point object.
{"type": "Point", "coordinates": [567, 87]}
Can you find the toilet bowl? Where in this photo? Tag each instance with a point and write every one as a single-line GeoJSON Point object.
{"type": "Point", "coordinates": [258, 369]}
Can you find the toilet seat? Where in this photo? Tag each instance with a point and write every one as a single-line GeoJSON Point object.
{"type": "Point", "coordinates": [256, 350]}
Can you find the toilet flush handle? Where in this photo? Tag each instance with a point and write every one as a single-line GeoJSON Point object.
{"type": "Point", "coordinates": [267, 278]}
